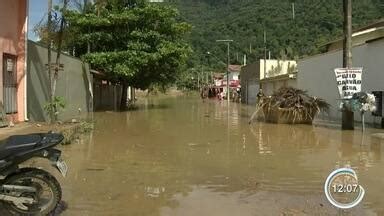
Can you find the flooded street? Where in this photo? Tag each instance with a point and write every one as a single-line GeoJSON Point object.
{"type": "Point", "coordinates": [182, 156]}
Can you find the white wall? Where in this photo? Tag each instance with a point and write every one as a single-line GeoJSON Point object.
{"type": "Point", "coordinates": [273, 63]}
{"type": "Point", "coordinates": [271, 86]}
{"type": "Point", "coordinates": [232, 76]}
{"type": "Point", "coordinates": [317, 76]}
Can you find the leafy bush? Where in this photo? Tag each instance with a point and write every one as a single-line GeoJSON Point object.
{"type": "Point", "coordinates": [53, 108]}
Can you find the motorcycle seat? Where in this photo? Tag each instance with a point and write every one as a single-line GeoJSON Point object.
{"type": "Point", "coordinates": [19, 143]}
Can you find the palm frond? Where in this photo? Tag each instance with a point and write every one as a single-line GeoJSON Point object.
{"type": "Point", "coordinates": [296, 102]}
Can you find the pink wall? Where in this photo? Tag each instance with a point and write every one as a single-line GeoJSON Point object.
{"type": "Point", "coordinates": [13, 29]}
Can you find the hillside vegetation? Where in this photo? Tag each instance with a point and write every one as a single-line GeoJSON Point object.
{"type": "Point", "coordinates": [315, 22]}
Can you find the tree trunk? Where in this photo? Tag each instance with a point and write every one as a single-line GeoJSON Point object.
{"type": "Point", "coordinates": [49, 26]}
{"type": "Point", "coordinates": [124, 94]}
{"type": "Point", "coordinates": [57, 65]}
{"type": "Point", "coordinates": [59, 47]}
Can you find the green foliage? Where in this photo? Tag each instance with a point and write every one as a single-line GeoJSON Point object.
{"type": "Point", "coordinates": [87, 126]}
{"type": "Point", "coordinates": [133, 42]}
{"type": "Point", "coordinates": [53, 108]}
{"type": "Point", "coordinates": [187, 81]}
{"type": "Point", "coordinates": [193, 78]}
{"type": "Point", "coordinates": [316, 22]}
{"type": "Point", "coordinates": [51, 35]}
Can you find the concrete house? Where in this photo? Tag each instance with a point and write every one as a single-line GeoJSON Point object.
{"type": "Point", "coordinates": [275, 74]}
{"type": "Point", "coordinates": [13, 22]}
{"type": "Point", "coordinates": [316, 73]}
{"type": "Point", "coordinates": [250, 83]}
{"type": "Point", "coordinates": [360, 36]}
{"type": "Point", "coordinates": [234, 76]}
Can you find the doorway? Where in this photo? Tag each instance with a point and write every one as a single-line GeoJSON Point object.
{"type": "Point", "coordinates": [9, 84]}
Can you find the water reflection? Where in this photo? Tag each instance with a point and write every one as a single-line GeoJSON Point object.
{"type": "Point", "coordinates": [190, 156]}
{"type": "Point", "coordinates": [359, 150]}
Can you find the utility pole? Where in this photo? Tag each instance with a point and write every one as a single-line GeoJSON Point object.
{"type": "Point", "coordinates": [265, 54]}
{"type": "Point", "coordinates": [228, 95]}
{"type": "Point", "coordinates": [347, 115]}
{"type": "Point", "coordinates": [202, 75]}
{"type": "Point", "coordinates": [293, 10]}
{"type": "Point", "coordinates": [198, 80]}
{"type": "Point", "coordinates": [209, 66]}
{"type": "Point", "coordinates": [228, 44]}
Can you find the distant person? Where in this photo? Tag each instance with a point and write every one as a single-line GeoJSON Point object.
{"type": "Point", "coordinates": [260, 95]}
{"type": "Point", "coordinates": [221, 95]}
{"type": "Point", "coordinates": [235, 96]}
{"type": "Point", "coordinates": [212, 92]}
{"type": "Point", "coordinates": [204, 93]}
{"type": "Point", "coordinates": [217, 93]}
{"type": "Point", "coordinates": [238, 95]}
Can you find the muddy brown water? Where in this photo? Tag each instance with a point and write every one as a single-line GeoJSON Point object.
{"type": "Point", "coordinates": [182, 156]}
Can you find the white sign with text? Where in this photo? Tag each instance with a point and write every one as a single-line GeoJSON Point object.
{"type": "Point", "coordinates": [348, 81]}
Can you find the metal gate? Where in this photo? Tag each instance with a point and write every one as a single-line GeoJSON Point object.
{"type": "Point", "coordinates": [9, 84]}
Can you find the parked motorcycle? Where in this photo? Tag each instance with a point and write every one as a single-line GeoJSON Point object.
{"type": "Point", "coordinates": [30, 191]}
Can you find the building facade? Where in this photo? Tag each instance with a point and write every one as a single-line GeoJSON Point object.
{"type": "Point", "coordinates": [360, 36]}
{"type": "Point", "coordinates": [271, 84]}
{"type": "Point", "coordinates": [13, 35]}
{"type": "Point", "coordinates": [250, 83]}
{"type": "Point", "coordinates": [318, 78]}
{"type": "Point", "coordinates": [317, 72]}
{"type": "Point", "coordinates": [269, 78]}
{"type": "Point", "coordinates": [276, 67]}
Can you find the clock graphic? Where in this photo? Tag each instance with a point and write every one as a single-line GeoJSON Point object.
{"type": "Point", "coordinates": [342, 188]}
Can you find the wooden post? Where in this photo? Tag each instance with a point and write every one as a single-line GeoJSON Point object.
{"type": "Point", "coordinates": [347, 115]}
{"type": "Point", "coordinates": [228, 59]}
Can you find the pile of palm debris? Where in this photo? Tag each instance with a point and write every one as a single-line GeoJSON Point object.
{"type": "Point", "coordinates": [294, 104]}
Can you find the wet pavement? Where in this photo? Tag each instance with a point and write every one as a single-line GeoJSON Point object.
{"type": "Point", "coordinates": [182, 156]}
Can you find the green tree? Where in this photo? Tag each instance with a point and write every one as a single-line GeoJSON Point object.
{"type": "Point", "coordinates": [52, 33]}
{"type": "Point", "coordinates": [134, 42]}
{"type": "Point", "coordinates": [316, 22]}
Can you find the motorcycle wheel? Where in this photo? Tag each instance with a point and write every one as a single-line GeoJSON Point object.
{"type": "Point", "coordinates": [48, 193]}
